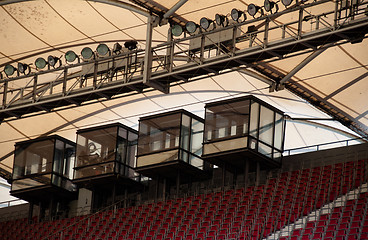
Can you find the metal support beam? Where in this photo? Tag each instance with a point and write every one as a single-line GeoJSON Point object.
{"type": "Point", "coordinates": [174, 8]}
{"type": "Point", "coordinates": [304, 63]}
{"type": "Point", "coordinates": [147, 67]}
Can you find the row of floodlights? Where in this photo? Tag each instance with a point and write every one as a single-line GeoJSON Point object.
{"type": "Point", "coordinates": [222, 20]}
{"type": "Point", "coordinates": [87, 53]}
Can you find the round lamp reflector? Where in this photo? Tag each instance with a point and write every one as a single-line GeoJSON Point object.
{"type": "Point", "coordinates": [70, 56]}
{"type": "Point", "coordinates": [9, 70]}
{"type": "Point", "coordinates": [116, 48]}
{"type": "Point", "coordinates": [191, 26]}
{"type": "Point", "coordinates": [52, 60]}
{"type": "Point", "coordinates": [286, 2]}
{"type": "Point", "coordinates": [205, 23]}
{"type": "Point", "coordinates": [176, 30]}
{"type": "Point", "coordinates": [22, 68]}
{"type": "Point", "coordinates": [102, 49]}
{"type": "Point", "coordinates": [252, 9]}
{"type": "Point", "coordinates": [40, 63]}
{"type": "Point", "coordinates": [87, 53]}
{"type": "Point", "coordinates": [235, 14]}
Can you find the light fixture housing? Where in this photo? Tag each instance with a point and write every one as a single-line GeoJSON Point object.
{"type": "Point", "coordinates": [286, 2]}
{"type": "Point", "coordinates": [176, 30]}
{"type": "Point", "coordinates": [103, 50]}
{"type": "Point", "coordinates": [40, 63]}
{"type": "Point", "coordinates": [253, 9]}
{"type": "Point", "coordinates": [131, 45]}
{"type": "Point", "coordinates": [52, 61]}
{"type": "Point", "coordinates": [205, 23]}
{"type": "Point", "coordinates": [221, 20]}
{"type": "Point", "coordinates": [269, 5]}
{"type": "Point", "coordinates": [9, 70]}
{"type": "Point", "coordinates": [70, 56]}
{"type": "Point", "coordinates": [116, 49]}
{"type": "Point", "coordinates": [237, 14]}
{"type": "Point", "coordinates": [191, 27]}
{"type": "Point", "coordinates": [24, 68]}
{"type": "Point", "coordinates": [87, 53]}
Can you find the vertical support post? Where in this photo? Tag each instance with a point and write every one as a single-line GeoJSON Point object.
{"type": "Point", "coordinates": [34, 95]}
{"type": "Point", "coordinates": [95, 75]}
{"type": "Point", "coordinates": [164, 190]}
{"type": "Point", "coordinates": [336, 14]}
{"type": "Point", "coordinates": [177, 183]}
{"type": "Point", "coordinates": [235, 31]}
{"type": "Point", "coordinates": [246, 173]}
{"type": "Point", "coordinates": [30, 212]}
{"type": "Point", "coordinates": [201, 56]}
{"type": "Point", "coordinates": [147, 65]}
{"type": "Point", "coordinates": [300, 23]}
{"type": "Point", "coordinates": [169, 52]}
{"type": "Point", "coordinates": [258, 173]}
{"type": "Point", "coordinates": [125, 197]}
{"type": "Point", "coordinates": [5, 93]}
{"type": "Point", "coordinates": [265, 37]}
{"type": "Point", "coordinates": [223, 176]}
{"type": "Point", "coordinates": [113, 193]}
{"type": "Point", "coordinates": [157, 188]}
{"type": "Point", "coordinates": [64, 80]}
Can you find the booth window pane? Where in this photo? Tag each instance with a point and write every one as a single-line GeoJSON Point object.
{"type": "Point", "coordinates": [96, 146]}
{"type": "Point", "coordinates": [31, 182]}
{"type": "Point", "coordinates": [185, 130]}
{"type": "Point", "coordinates": [266, 125]}
{"type": "Point", "coordinates": [94, 170]}
{"type": "Point", "coordinates": [132, 149]}
{"type": "Point", "coordinates": [159, 133]}
{"type": "Point", "coordinates": [265, 150]}
{"type": "Point", "coordinates": [279, 131]}
{"type": "Point", "coordinates": [69, 159]}
{"type": "Point", "coordinates": [196, 137]}
{"type": "Point", "coordinates": [58, 157]}
{"type": "Point", "coordinates": [33, 158]}
{"type": "Point", "coordinates": [253, 128]}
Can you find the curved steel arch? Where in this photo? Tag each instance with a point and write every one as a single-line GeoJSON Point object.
{"type": "Point", "coordinates": [116, 3]}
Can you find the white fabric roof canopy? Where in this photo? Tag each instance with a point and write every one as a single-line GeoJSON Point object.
{"type": "Point", "coordinates": [39, 28]}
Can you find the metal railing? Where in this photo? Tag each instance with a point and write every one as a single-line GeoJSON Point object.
{"type": "Point", "coordinates": [323, 146]}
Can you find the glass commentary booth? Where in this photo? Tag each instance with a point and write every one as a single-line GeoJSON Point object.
{"type": "Point", "coordinates": [43, 169]}
{"type": "Point", "coordinates": [244, 128]}
{"type": "Point", "coordinates": [170, 144]}
{"type": "Point", "coordinates": [105, 154]}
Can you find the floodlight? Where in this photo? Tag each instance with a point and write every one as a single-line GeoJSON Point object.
{"type": "Point", "coordinates": [24, 68]}
{"type": "Point", "coordinates": [131, 45]}
{"type": "Point", "coordinates": [40, 63]}
{"type": "Point", "coordinates": [286, 2]}
{"type": "Point", "coordinates": [191, 26]}
{"type": "Point", "coordinates": [253, 9]}
{"type": "Point", "coordinates": [52, 61]}
{"type": "Point", "coordinates": [9, 70]}
{"type": "Point", "coordinates": [102, 50]}
{"type": "Point", "coordinates": [116, 48]}
{"type": "Point", "coordinates": [87, 53]}
{"type": "Point", "coordinates": [221, 20]}
{"type": "Point", "coordinates": [237, 14]}
{"type": "Point", "coordinates": [176, 30]}
{"type": "Point", "coordinates": [269, 5]}
{"type": "Point", "coordinates": [205, 23]}
{"type": "Point", "coordinates": [70, 56]}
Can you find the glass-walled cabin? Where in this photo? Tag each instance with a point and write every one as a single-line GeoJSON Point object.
{"type": "Point", "coordinates": [43, 164]}
{"type": "Point", "coordinates": [106, 153]}
{"type": "Point", "coordinates": [243, 128]}
{"type": "Point", "coordinates": [169, 142]}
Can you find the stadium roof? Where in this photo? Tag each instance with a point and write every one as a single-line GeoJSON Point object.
{"type": "Point", "coordinates": [333, 80]}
